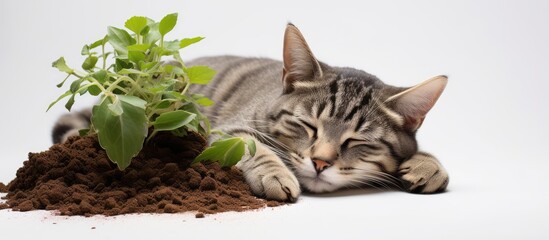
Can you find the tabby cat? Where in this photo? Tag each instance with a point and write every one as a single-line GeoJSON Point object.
{"type": "Point", "coordinates": [318, 128]}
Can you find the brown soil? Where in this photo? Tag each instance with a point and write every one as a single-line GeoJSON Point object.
{"type": "Point", "coordinates": [77, 178]}
{"type": "Point", "coordinates": [3, 189]}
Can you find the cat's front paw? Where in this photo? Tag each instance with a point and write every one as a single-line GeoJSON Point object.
{"type": "Point", "coordinates": [280, 186]}
{"type": "Point", "coordinates": [423, 174]}
{"type": "Point", "coordinates": [268, 177]}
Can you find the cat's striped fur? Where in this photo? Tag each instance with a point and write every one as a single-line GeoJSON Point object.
{"type": "Point", "coordinates": [319, 128]}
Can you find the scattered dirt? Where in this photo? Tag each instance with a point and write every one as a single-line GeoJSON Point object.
{"type": "Point", "coordinates": [77, 178]}
{"type": "Point", "coordinates": [3, 189]}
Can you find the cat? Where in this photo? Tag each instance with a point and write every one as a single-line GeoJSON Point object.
{"type": "Point", "coordinates": [317, 128]}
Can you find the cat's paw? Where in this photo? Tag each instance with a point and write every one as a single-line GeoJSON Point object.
{"type": "Point", "coordinates": [268, 177]}
{"type": "Point", "coordinates": [280, 186]}
{"type": "Point", "coordinates": [423, 174]}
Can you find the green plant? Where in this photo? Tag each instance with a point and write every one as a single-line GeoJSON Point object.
{"type": "Point", "coordinates": [139, 91]}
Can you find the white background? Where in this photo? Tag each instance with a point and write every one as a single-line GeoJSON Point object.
{"type": "Point", "coordinates": [488, 128]}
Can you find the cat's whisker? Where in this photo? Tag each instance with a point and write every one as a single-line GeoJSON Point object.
{"type": "Point", "coordinates": [272, 141]}
{"type": "Point", "coordinates": [368, 182]}
{"type": "Point", "coordinates": [296, 157]}
{"type": "Point", "coordinates": [291, 160]}
{"type": "Point", "coordinates": [376, 180]}
{"type": "Point", "coordinates": [361, 184]}
{"type": "Point", "coordinates": [390, 176]}
{"type": "Point", "coordinates": [383, 178]}
{"type": "Point", "coordinates": [263, 137]}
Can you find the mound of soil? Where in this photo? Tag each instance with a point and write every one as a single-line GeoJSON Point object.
{"type": "Point", "coordinates": [77, 178]}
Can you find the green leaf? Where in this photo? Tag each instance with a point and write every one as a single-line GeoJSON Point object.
{"type": "Point", "coordinates": [83, 132]}
{"type": "Point", "coordinates": [200, 74]}
{"type": "Point", "coordinates": [173, 120]}
{"type": "Point", "coordinates": [136, 24]}
{"type": "Point", "coordinates": [64, 95]}
{"type": "Point", "coordinates": [75, 85]}
{"type": "Point", "coordinates": [132, 100]}
{"type": "Point", "coordinates": [193, 125]}
{"type": "Point", "coordinates": [172, 69]}
{"type": "Point", "coordinates": [145, 30]}
{"type": "Point", "coordinates": [177, 95]}
{"type": "Point", "coordinates": [132, 71]}
{"type": "Point", "coordinates": [153, 35]}
{"type": "Point", "coordinates": [116, 108]}
{"type": "Point", "coordinates": [62, 66]}
{"type": "Point", "coordinates": [139, 47]}
{"type": "Point", "coordinates": [188, 41]}
{"type": "Point", "coordinates": [99, 42]}
{"type": "Point", "coordinates": [163, 104]}
{"type": "Point", "coordinates": [136, 56]}
{"type": "Point", "coordinates": [89, 63]}
{"type": "Point", "coordinates": [157, 88]}
{"type": "Point", "coordinates": [170, 47]}
{"type": "Point", "coordinates": [147, 65]}
{"type": "Point", "coordinates": [251, 146]}
{"type": "Point", "coordinates": [94, 90]}
{"type": "Point", "coordinates": [202, 100]}
{"type": "Point", "coordinates": [121, 135]}
{"type": "Point", "coordinates": [136, 52]}
{"type": "Point", "coordinates": [85, 50]}
{"type": "Point", "coordinates": [100, 76]}
{"type": "Point", "coordinates": [227, 151]}
{"type": "Point", "coordinates": [69, 103]}
{"type": "Point", "coordinates": [122, 64]}
{"type": "Point", "coordinates": [120, 40]}
{"type": "Point", "coordinates": [167, 23]}
{"type": "Point", "coordinates": [83, 90]}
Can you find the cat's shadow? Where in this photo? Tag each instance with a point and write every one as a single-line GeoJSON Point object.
{"type": "Point", "coordinates": [350, 192]}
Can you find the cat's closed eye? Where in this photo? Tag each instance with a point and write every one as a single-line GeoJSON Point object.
{"type": "Point", "coordinates": [312, 130]}
{"type": "Point", "coordinates": [354, 142]}
{"type": "Point", "coordinates": [349, 143]}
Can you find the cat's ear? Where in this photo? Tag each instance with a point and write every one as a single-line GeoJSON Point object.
{"type": "Point", "coordinates": [299, 62]}
{"type": "Point", "coordinates": [414, 103]}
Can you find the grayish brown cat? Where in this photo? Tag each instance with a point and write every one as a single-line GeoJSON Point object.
{"type": "Point", "coordinates": [318, 128]}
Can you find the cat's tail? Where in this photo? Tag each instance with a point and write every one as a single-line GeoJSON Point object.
{"type": "Point", "coordinates": [69, 124]}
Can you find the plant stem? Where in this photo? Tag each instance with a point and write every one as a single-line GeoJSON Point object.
{"type": "Point", "coordinates": [77, 74]}
{"type": "Point", "coordinates": [91, 84]}
{"type": "Point", "coordinates": [151, 136]}
{"type": "Point", "coordinates": [119, 80]}
{"type": "Point", "coordinates": [177, 57]}
{"type": "Point", "coordinates": [123, 90]}
{"type": "Point", "coordinates": [103, 55]}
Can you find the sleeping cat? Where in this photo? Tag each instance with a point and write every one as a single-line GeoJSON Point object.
{"type": "Point", "coordinates": [317, 128]}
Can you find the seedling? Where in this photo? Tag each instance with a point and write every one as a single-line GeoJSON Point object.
{"type": "Point", "coordinates": [140, 94]}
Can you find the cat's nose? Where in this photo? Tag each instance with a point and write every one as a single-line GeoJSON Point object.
{"type": "Point", "coordinates": [320, 165]}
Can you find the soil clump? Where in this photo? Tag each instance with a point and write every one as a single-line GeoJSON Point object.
{"type": "Point", "coordinates": [77, 178]}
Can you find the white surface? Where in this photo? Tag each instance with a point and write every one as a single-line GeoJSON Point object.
{"type": "Point", "coordinates": [488, 128]}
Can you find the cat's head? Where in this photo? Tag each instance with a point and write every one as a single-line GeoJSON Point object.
{"type": "Point", "coordinates": [344, 127]}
